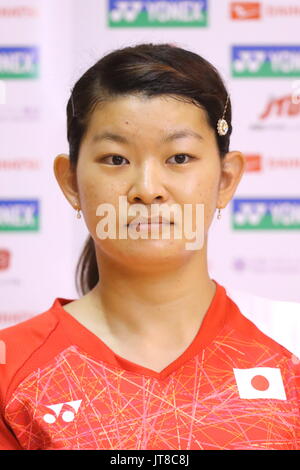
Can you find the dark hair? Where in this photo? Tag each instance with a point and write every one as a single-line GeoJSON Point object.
{"type": "Point", "coordinates": [149, 70]}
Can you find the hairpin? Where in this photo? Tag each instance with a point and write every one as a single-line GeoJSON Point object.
{"type": "Point", "coordinates": [222, 125]}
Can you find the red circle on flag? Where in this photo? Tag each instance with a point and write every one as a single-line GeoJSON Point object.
{"type": "Point", "coordinates": [260, 382]}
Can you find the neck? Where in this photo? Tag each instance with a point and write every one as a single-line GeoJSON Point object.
{"type": "Point", "coordinates": [169, 300]}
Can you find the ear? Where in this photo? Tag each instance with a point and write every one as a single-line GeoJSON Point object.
{"type": "Point", "coordinates": [66, 178]}
{"type": "Point", "coordinates": [232, 169]}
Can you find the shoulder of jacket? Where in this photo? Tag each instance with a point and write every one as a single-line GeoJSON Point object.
{"type": "Point", "coordinates": [18, 342]}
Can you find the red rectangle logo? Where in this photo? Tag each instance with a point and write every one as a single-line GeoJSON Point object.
{"type": "Point", "coordinates": [253, 163]}
{"type": "Point", "coordinates": [245, 10]}
{"type": "Point", "coordinates": [4, 259]}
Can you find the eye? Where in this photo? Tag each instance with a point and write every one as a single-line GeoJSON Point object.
{"type": "Point", "coordinates": [116, 159]}
{"type": "Point", "coordinates": [180, 155]}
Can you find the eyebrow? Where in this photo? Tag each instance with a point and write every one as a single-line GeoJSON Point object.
{"type": "Point", "coordinates": [177, 134]}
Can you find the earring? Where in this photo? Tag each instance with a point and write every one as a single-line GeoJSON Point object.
{"type": "Point", "coordinates": [78, 213]}
{"type": "Point", "coordinates": [219, 214]}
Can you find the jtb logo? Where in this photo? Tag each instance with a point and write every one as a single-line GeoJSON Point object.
{"type": "Point", "coordinates": [284, 106]}
{"type": "Point", "coordinates": [67, 416]}
{"type": "Point", "coordinates": [260, 382]}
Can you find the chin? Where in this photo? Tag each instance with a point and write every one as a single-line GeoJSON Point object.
{"type": "Point", "coordinates": [145, 251]}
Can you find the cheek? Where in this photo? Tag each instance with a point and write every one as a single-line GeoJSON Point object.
{"type": "Point", "coordinates": [95, 190]}
{"type": "Point", "coordinates": [204, 191]}
{"type": "Point", "coordinates": [93, 193]}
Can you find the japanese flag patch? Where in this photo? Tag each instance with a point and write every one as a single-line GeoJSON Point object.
{"type": "Point", "coordinates": [260, 382]}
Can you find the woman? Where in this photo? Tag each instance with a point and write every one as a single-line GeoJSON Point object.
{"type": "Point", "coordinates": [155, 354]}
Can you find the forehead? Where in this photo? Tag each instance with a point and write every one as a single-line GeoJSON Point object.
{"type": "Point", "coordinates": [138, 114]}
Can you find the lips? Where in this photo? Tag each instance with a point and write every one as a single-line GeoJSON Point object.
{"type": "Point", "coordinates": [149, 221]}
{"type": "Point", "coordinates": [149, 224]}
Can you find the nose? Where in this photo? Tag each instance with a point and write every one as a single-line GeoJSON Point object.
{"type": "Point", "coordinates": [147, 185]}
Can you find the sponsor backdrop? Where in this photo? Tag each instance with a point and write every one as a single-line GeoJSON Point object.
{"type": "Point", "coordinates": [46, 45]}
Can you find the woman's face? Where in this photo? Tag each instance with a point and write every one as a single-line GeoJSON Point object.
{"type": "Point", "coordinates": [145, 171]}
